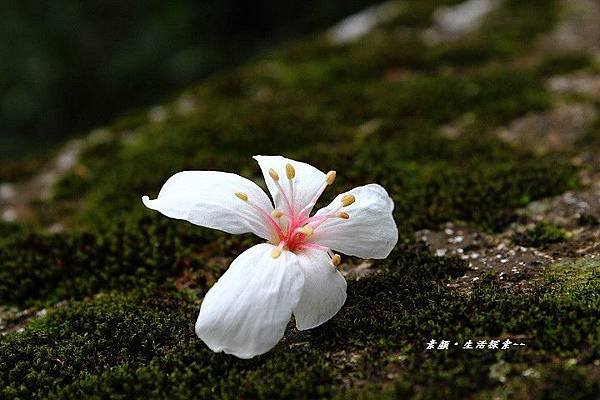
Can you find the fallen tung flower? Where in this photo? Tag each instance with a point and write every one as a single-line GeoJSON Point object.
{"type": "Point", "coordinates": [246, 312]}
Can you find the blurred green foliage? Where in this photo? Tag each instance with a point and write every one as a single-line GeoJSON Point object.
{"type": "Point", "coordinates": [69, 65]}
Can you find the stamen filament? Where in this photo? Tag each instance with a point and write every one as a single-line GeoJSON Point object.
{"type": "Point", "coordinates": [269, 219]}
{"type": "Point", "coordinates": [285, 198]}
{"type": "Point", "coordinates": [313, 201]}
{"type": "Point", "coordinates": [317, 246]}
{"type": "Point", "coordinates": [291, 183]}
{"type": "Point", "coordinates": [317, 220]}
{"type": "Point", "coordinates": [329, 178]}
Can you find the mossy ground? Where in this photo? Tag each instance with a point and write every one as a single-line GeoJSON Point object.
{"type": "Point", "coordinates": [128, 283]}
{"type": "Point", "coordinates": [542, 233]}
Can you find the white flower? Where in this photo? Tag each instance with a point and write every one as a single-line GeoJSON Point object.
{"type": "Point", "coordinates": [246, 312]}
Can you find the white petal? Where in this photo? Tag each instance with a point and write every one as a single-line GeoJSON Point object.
{"type": "Point", "coordinates": [307, 182]}
{"type": "Point", "coordinates": [369, 233]}
{"type": "Point", "coordinates": [245, 313]}
{"type": "Point", "coordinates": [207, 198]}
{"type": "Point", "coordinates": [324, 291]}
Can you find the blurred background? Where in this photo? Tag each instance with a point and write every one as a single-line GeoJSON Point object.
{"type": "Point", "coordinates": [68, 65]}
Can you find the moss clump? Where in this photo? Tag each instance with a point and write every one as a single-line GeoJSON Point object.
{"type": "Point", "coordinates": [541, 234]}
{"type": "Point", "coordinates": [88, 338]}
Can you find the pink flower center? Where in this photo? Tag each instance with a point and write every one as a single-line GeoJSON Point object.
{"type": "Point", "coordinates": [292, 230]}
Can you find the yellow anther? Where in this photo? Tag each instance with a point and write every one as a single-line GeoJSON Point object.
{"type": "Point", "coordinates": [241, 196]}
{"type": "Point", "coordinates": [307, 230]}
{"type": "Point", "coordinates": [347, 199]}
{"type": "Point", "coordinates": [273, 174]}
{"type": "Point", "coordinates": [290, 172]}
{"type": "Point", "coordinates": [336, 260]}
{"type": "Point", "coordinates": [276, 252]}
{"type": "Point", "coordinates": [343, 215]}
{"type": "Point", "coordinates": [276, 214]}
{"type": "Point", "coordinates": [330, 177]}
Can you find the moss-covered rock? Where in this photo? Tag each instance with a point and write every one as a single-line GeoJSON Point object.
{"type": "Point", "coordinates": [122, 286]}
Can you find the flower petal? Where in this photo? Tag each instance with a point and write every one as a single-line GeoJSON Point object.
{"type": "Point", "coordinates": [307, 182]}
{"type": "Point", "coordinates": [324, 291]}
{"type": "Point", "coordinates": [370, 232]}
{"type": "Point", "coordinates": [207, 198]}
{"type": "Point", "coordinates": [245, 313]}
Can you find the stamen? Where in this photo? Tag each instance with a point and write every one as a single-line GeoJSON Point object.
{"type": "Point", "coordinates": [242, 196]}
{"type": "Point", "coordinates": [316, 220]}
{"type": "Point", "coordinates": [330, 177]}
{"type": "Point", "coordinates": [276, 214]}
{"type": "Point", "coordinates": [290, 172]}
{"type": "Point", "coordinates": [336, 260]}
{"type": "Point", "coordinates": [285, 198]}
{"type": "Point", "coordinates": [274, 174]}
{"type": "Point", "coordinates": [315, 246]}
{"type": "Point", "coordinates": [276, 252]}
{"type": "Point", "coordinates": [343, 215]}
{"type": "Point", "coordinates": [307, 230]}
{"type": "Point", "coordinates": [348, 199]}
{"type": "Point", "coordinates": [267, 216]}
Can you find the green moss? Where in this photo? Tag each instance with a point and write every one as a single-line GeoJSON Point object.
{"type": "Point", "coordinates": [10, 229]}
{"type": "Point", "coordinates": [405, 140]}
{"type": "Point", "coordinates": [557, 381]}
{"type": "Point", "coordinates": [289, 103]}
{"type": "Point", "coordinates": [564, 63]}
{"type": "Point", "coordinates": [46, 268]}
{"type": "Point", "coordinates": [506, 33]}
{"type": "Point", "coordinates": [541, 234]}
{"type": "Point", "coordinates": [142, 343]}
